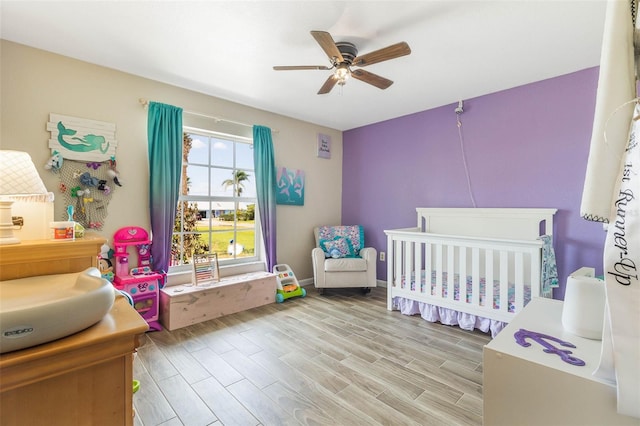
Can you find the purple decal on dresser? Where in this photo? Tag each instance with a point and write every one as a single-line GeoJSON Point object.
{"type": "Point", "coordinates": [564, 354]}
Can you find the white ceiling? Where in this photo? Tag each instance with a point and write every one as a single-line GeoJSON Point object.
{"type": "Point", "coordinates": [460, 49]}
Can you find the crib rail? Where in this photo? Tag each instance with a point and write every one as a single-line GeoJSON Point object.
{"type": "Point", "coordinates": [512, 263]}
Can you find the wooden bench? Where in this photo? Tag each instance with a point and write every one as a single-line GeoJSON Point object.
{"type": "Point", "coordinates": [183, 305]}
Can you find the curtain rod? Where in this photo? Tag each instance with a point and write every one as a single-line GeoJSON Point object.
{"type": "Point", "coordinates": [145, 103]}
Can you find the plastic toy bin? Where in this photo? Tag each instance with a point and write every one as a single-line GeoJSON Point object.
{"type": "Point", "coordinates": [62, 231]}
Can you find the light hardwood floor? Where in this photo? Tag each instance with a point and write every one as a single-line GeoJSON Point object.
{"type": "Point", "coordinates": [336, 359]}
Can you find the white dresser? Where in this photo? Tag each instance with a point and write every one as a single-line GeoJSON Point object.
{"type": "Point", "coordinates": [526, 386]}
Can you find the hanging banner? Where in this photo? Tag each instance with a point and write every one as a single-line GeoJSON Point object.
{"type": "Point", "coordinates": [616, 85]}
{"type": "Point", "coordinates": [620, 356]}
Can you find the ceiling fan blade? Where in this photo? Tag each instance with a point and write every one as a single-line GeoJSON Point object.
{"type": "Point", "coordinates": [384, 54]}
{"type": "Point", "coordinates": [328, 85]}
{"type": "Point", "coordinates": [300, 67]}
{"type": "Point", "coordinates": [325, 41]}
{"type": "Point", "coordinates": [371, 78]}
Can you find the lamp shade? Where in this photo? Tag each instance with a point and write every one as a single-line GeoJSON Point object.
{"type": "Point", "coordinates": [19, 180]}
{"type": "Point", "coordinates": [19, 175]}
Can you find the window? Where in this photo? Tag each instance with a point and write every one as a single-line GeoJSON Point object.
{"type": "Point", "coordinates": [217, 205]}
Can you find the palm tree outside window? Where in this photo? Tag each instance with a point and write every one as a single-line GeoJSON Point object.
{"type": "Point", "coordinates": [237, 182]}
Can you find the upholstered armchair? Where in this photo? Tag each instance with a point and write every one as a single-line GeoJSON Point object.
{"type": "Point", "coordinates": [341, 260]}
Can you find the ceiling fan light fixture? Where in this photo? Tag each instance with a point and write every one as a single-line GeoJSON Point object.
{"type": "Point", "coordinates": [342, 73]}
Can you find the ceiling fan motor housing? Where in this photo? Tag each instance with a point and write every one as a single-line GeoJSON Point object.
{"type": "Point", "coordinates": [348, 50]}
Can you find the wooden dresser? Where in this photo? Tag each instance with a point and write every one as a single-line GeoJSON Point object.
{"type": "Point", "coordinates": [47, 257]}
{"type": "Point", "coordinates": [82, 379]}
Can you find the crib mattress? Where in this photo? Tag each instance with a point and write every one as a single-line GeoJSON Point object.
{"type": "Point", "coordinates": [469, 286]}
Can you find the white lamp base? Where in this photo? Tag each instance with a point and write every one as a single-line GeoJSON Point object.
{"type": "Point", "coordinates": [6, 224]}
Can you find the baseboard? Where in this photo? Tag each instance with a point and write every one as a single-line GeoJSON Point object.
{"type": "Point", "coordinates": [309, 282]}
{"type": "Point", "coordinates": [306, 282]}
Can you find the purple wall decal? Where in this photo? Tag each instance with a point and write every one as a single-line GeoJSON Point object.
{"type": "Point", "coordinates": [525, 147]}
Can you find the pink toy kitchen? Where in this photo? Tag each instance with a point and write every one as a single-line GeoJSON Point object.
{"type": "Point", "coordinates": [134, 275]}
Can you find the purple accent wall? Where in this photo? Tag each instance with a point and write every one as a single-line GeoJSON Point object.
{"type": "Point", "coordinates": [525, 147]}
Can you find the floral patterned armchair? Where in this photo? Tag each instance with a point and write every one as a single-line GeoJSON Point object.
{"type": "Point", "coordinates": [341, 260]}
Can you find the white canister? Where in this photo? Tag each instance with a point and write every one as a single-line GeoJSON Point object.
{"type": "Point", "coordinates": [584, 300]}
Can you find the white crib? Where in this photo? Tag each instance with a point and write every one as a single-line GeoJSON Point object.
{"type": "Point", "coordinates": [493, 256]}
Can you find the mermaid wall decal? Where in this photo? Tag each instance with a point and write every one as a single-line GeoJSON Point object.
{"type": "Point", "coordinates": [82, 139]}
{"type": "Point", "coordinates": [84, 144]}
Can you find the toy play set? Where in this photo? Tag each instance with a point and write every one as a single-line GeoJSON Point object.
{"type": "Point", "coordinates": [288, 285]}
{"type": "Point", "coordinates": [140, 282]}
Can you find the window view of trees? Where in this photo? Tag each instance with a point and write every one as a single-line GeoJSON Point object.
{"type": "Point", "coordinates": [216, 208]}
{"type": "Point", "coordinates": [237, 182]}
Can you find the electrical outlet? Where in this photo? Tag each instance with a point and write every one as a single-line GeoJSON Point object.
{"type": "Point", "coordinates": [382, 256]}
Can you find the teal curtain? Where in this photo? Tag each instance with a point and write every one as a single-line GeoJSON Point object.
{"type": "Point", "coordinates": [265, 169]}
{"type": "Point", "coordinates": [164, 131]}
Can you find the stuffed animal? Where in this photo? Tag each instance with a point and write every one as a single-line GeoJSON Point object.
{"type": "Point", "coordinates": [106, 269]}
{"type": "Point", "coordinates": [113, 172]}
{"type": "Point", "coordinates": [55, 162]}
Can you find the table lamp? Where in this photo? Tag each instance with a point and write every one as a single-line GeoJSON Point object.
{"type": "Point", "coordinates": [19, 180]}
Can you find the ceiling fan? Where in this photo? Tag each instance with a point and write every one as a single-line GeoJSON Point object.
{"type": "Point", "coordinates": [344, 55]}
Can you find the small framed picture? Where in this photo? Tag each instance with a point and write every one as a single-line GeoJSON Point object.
{"type": "Point", "coordinates": [324, 146]}
{"type": "Point", "coordinates": [290, 188]}
{"type": "Point", "coordinates": [205, 269]}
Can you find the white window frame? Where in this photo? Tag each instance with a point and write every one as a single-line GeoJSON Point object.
{"type": "Point", "coordinates": [258, 252]}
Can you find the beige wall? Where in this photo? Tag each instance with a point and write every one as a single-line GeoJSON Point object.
{"type": "Point", "coordinates": [35, 83]}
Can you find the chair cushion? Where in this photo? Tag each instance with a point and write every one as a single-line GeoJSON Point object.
{"type": "Point", "coordinates": [349, 264]}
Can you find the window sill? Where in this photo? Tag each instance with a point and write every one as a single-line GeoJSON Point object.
{"type": "Point", "coordinates": [185, 276]}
